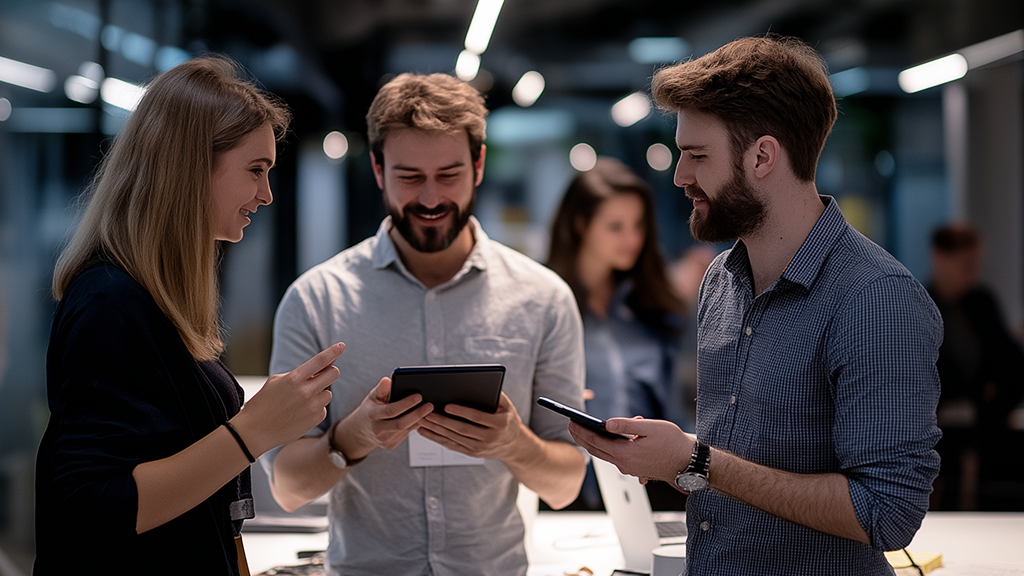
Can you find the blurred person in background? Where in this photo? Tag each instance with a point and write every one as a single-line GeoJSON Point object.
{"type": "Point", "coordinates": [144, 465]}
{"type": "Point", "coordinates": [686, 273]}
{"type": "Point", "coordinates": [604, 243]}
{"type": "Point", "coordinates": [981, 367]}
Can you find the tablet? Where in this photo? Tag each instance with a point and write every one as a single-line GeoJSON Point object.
{"type": "Point", "coordinates": [476, 386]}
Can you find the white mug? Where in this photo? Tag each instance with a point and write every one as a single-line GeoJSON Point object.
{"type": "Point", "coordinates": [669, 560]}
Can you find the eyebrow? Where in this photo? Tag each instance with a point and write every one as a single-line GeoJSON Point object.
{"type": "Point", "coordinates": [270, 163]}
{"type": "Point", "coordinates": [688, 147]}
{"type": "Point", "coordinates": [452, 166]}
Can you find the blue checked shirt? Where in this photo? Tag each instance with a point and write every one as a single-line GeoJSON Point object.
{"type": "Point", "coordinates": [831, 369]}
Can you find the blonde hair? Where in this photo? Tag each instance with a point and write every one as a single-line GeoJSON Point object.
{"type": "Point", "coordinates": [149, 203]}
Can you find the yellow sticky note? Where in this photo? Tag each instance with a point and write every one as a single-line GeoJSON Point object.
{"type": "Point", "coordinates": [928, 561]}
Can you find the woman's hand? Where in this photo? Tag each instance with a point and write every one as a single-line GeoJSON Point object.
{"type": "Point", "coordinates": [290, 404]}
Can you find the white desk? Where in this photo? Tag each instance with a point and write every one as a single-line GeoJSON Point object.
{"type": "Point", "coordinates": [971, 544]}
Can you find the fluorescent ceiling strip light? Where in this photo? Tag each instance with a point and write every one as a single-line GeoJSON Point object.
{"type": "Point", "coordinates": [121, 94]}
{"type": "Point", "coordinates": [528, 89]}
{"type": "Point", "coordinates": [482, 25]}
{"type": "Point", "coordinates": [956, 65]}
{"type": "Point", "coordinates": [27, 75]}
{"type": "Point", "coordinates": [467, 66]}
{"type": "Point", "coordinates": [940, 71]}
{"type": "Point", "coordinates": [995, 49]}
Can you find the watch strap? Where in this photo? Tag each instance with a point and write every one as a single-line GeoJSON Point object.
{"type": "Point", "coordinates": [700, 459]}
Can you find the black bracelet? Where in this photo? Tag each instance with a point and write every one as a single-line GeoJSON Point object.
{"type": "Point", "coordinates": [241, 444]}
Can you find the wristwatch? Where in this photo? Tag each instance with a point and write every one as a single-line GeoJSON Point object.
{"type": "Point", "coordinates": [336, 456]}
{"type": "Point", "coordinates": [695, 477]}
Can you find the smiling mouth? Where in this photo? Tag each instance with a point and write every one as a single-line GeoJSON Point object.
{"type": "Point", "coordinates": [431, 215]}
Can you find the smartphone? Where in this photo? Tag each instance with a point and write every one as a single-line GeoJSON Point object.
{"type": "Point", "coordinates": [582, 418]}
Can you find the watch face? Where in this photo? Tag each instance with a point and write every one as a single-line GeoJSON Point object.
{"type": "Point", "coordinates": [691, 482]}
{"type": "Point", "coordinates": [338, 459]}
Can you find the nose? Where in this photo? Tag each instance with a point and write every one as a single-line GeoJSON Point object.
{"type": "Point", "coordinates": [683, 176]}
{"type": "Point", "coordinates": [263, 194]}
{"type": "Point", "coordinates": [429, 194]}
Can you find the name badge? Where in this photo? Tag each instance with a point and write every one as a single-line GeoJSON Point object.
{"type": "Point", "coordinates": [423, 453]}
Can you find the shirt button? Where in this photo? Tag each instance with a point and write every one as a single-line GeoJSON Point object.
{"type": "Point", "coordinates": [705, 525]}
{"type": "Point", "coordinates": [432, 502]}
{"type": "Point", "coordinates": [749, 330]}
{"type": "Point", "coordinates": [732, 400]}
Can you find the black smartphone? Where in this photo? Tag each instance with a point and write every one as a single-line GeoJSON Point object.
{"type": "Point", "coordinates": [582, 418]}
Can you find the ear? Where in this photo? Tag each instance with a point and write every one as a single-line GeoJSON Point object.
{"type": "Point", "coordinates": [378, 171]}
{"type": "Point", "coordinates": [768, 155]}
{"type": "Point", "coordinates": [478, 166]}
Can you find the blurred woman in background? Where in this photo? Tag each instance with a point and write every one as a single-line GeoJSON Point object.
{"type": "Point", "coordinates": [605, 245]}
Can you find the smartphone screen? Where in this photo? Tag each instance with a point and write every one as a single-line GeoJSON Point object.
{"type": "Point", "coordinates": [582, 418]}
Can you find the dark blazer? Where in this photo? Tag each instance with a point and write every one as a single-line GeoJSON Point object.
{"type": "Point", "coordinates": [123, 390]}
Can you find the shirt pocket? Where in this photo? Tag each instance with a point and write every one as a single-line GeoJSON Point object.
{"type": "Point", "coordinates": [496, 348]}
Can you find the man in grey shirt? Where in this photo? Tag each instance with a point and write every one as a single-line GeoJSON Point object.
{"type": "Point", "coordinates": [439, 497]}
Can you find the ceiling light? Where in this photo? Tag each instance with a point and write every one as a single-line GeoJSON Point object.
{"type": "Point", "coordinates": [659, 157]}
{"type": "Point", "coordinates": [528, 89]}
{"type": "Point", "coordinates": [482, 25]}
{"type": "Point", "coordinates": [582, 157]}
{"type": "Point", "coordinates": [631, 109]}
{"type": "Point", "coordinates": [81, 89]}
{"type": "Point", "coordinates": [467, 65]}
{"type": "Point", "coordinates": [121, 94]}
{"type": "Point", "coordinates": [994, 49]}
{"type": "Point", "coordinates": [335, 145]}
{"type": "Point", "coordinates": [945, 69]}
{"type": "Point", "coordinates": [5, 109]}
{"type": "Point", "coordinates": [27, 75]}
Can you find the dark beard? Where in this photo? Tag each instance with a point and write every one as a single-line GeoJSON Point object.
{"type": "Point", "coordinates": [734, 212]}
{"type": "Point", "coordinates": [429, 239]}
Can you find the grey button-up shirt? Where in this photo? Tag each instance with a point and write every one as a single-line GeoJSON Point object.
{"type": "Point", "coordinates": [501, 307]}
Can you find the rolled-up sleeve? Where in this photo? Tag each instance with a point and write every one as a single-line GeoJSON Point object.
{"type": "Point", "coordinates": [884, 348]}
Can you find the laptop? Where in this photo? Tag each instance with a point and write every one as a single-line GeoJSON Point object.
{"type": "Point", "coordinates": [639, 529]}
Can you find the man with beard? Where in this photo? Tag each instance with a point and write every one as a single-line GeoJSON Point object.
{"type": "Point", "coordinates": [431, 288]}
{"type": "Point", "coordinates": [817, 386]}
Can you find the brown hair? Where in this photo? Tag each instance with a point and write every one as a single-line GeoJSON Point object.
{"type": "Point", "coordinates": [758, 86]}
{"type": "Point", "coordinates": [955, 237]}
{"type": "Point", "coordinates": [428, 102]}
{"type": "Point", "coordinates": [652, 298]}
{"type": "Point", "coordinates": [149, 205]}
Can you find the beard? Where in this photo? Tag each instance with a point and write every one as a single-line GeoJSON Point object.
{"type": "Point", "coordinates": [429, 239]}
{"type": "Point", "coordinates": [733, 213]}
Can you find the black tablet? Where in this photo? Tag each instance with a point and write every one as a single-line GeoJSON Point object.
{"type": "Point", "coordinates": [476, 386]}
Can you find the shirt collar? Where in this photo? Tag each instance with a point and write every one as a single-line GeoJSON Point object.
{"type": "Point", "coordinates": [809, 258]}
{"type": "Point", "coordinates": [385, 254]}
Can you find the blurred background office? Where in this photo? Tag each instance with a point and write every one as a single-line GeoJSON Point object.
{"type": "Point", "coordinates": [565, 81]}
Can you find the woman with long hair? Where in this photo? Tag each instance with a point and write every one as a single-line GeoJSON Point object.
{"type": "Point", "coordinates": [604, 243]}
{"type": "Point", "coordinates": [144, 465]}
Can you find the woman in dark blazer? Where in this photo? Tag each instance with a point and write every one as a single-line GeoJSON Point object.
{"type": "Point", "coordinates": [144, 463]}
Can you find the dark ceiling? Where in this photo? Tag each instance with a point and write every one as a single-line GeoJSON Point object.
{"type": "Point", "coordinates": [580, 46]}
